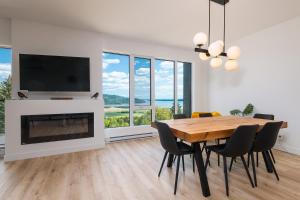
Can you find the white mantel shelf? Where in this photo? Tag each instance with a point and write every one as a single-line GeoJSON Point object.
{"type": "Point", "coordinates": [14, 109]}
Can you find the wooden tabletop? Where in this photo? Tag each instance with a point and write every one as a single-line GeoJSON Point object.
{"type": "Point", "coordinates": [210, 128]}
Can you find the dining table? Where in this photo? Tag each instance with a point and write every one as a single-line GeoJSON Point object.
{"type": "Point", "coordinates": [198, 130]}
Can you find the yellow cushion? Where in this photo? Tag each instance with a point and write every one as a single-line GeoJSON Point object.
{"type": "Point", "coordinates": [214, 114]}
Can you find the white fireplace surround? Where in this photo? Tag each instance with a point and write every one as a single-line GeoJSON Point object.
{"type": "Point", "coordinates": [15, 108]}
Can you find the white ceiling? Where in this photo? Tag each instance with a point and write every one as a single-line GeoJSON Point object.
{"type": "Point", "coordinates": [170, 22]}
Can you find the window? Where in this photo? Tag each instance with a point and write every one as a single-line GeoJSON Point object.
{"type": "Point", "coordinates": [164, 89]}
{"type": "Point", "coordinates": [142, 81]}
{"type": "Point", "coordinates": [139, 90]}
{"type": "Point", "coordinates": [116, 90]}
{"type": "Point", "coordinates": [5, 82]}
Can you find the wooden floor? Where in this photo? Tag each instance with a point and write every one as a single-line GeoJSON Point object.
{"type": "Point", "coordinates": [128, 170]}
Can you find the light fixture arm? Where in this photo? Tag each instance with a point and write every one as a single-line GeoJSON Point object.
{"type": "Point", "coordinates": [209, 22]}
{"type": "Point", "coordinates": [224, 31]}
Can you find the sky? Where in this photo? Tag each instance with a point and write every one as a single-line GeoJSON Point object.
{"type": "Point", "coordinates": [116, 77]}
{"type": "Point", "coordinates": [5, 63]}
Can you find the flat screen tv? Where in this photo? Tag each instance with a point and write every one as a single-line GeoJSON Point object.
{"type": "Point", "coordinates": [54, 73]}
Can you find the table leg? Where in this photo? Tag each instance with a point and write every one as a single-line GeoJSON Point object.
{"type": "Point", "coordinates": [201, 170]}
{"type": "Point", "coordinates": [268, 161]}
{"type": "Point", "coordinates": [170, 160]}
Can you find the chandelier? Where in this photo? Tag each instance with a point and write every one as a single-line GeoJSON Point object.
{"type": "Point", "coordinates": [216, 50]}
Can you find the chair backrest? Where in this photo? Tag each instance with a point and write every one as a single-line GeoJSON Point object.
{"type": "Point", "coordinates": [266, 137]}
{"type": "Point", "coordinates": [264, 116]}
{"type": "Point", "coordinates": [241, 141]}
{"type": "Point", "coordinates": [205, 115]}
{"type": "Point", "coordinates": [167, 139]}
{"type": "Point", "coordinates": [179, 116]}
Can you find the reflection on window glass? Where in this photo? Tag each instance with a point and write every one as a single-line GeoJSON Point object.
{"type": "Point", "coordinates": [116, 90]}
{"type": "Point", "coordinates": [142, 79]}
{"type": "Point", "coordinates": [184, 88]}
{"type": "Point", "coordinates": [5, 82]}
{"type": "Point", "coordinates": [142, 117]}
{"type": "Point", "coordinates": [164, 89]}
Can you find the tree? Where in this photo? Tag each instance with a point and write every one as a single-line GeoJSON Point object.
{"type": "Point", "coordinates": [5, 94]}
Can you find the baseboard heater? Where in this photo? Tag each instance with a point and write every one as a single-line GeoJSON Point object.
{"type": "Point", "coordinates": [130, 137]}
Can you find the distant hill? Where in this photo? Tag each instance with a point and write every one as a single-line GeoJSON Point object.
{"type": "Point", "coordinates": [116, 99]}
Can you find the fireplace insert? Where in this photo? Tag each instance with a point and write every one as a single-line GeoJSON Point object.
{"type": "Point", "coordinates": [55, 127]}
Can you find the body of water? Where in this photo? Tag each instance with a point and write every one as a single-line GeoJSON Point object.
{"type": "Point", "coordinates": [158, 103]}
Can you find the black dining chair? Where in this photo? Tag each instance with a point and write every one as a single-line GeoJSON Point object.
{"type": "Point", "coordinates": [204, 143]}
{"type": "Point", "coordinates": [269, 117]}
{"type": "Point", "coordinates": [170, 144]}
{"type": "Point", "coordinates": [179, 116]}
{"type": "Point", "coordinates": [202, 115]}
{"type": "Point", "coordinates": [205, 115]}
{"type": "Point", "coordinates": [264, 142]}
{"type": "Point", "coordinates": [239, 144]}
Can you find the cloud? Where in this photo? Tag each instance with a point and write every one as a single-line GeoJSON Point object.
{"type": "Point", "coordinates": [143, 71]}
{"type": "Point", "coordinates": [167, 65]}
{"type": "Point", "coordinates": [5, 67]}
{"type": "Point", "coordinates": [107, 62]}
{"type": "Point", "coordinates": [116, 83]}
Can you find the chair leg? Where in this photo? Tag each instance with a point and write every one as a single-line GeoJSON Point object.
{"type": "Point", "coordinates": [257, 159]}
{"type": "Point", "coordinates": [207, 155]}
{"type": "Point", "coordinates": [246, 168]}
{"type": "Point", "coordinates": [177, 171]}
{"type": "Point", "coordinates": [174, 159]}
{"type": "Point", "coordinates": [226, 175]}
{"type": "Point", "coordinates": [193, 163]}
{"type": "Point", "coordinates": [218, 142]}
{"type": "Point", "coordinates": [275, 172]}
{"type": "Point", "coordinates": [253, 168]}
{"type": "Point", "coordinates": [231, 163]}
{"type": "Point", "coordinates": [203, 147]}
{"type": "Point", "coordinates": [207, 160]}
{"type": "Point", "coordinates": [248, 160]}
{"type": "Point", "coordinates": [273, 158]}
{"type": "Point", "coordinates": [162, 164]}
{"type": "Point", "coordinates": [183, 167]}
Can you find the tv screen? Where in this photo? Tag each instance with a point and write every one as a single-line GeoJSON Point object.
{"type": "Point", "coordinates": [54, 73]}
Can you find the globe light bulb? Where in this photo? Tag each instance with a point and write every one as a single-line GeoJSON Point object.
{"type": "Point", "coordinates": [220, 42]}
{"type": "Point", "coordinates": [200, 39]}
{"type": "Point", "coordinates": [216, 62]}
{"type": "Point", "coordinates": [215, 49]}
{"type": "Point", "coordinates": [203, 56]}
{"type": "Point", "coordinates": [231, 65]}
{"type": "Point", "coordinates": [233, 53]}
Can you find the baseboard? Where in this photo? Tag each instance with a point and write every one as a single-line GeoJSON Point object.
{"type": "Point", "coordinates": [288, 149]}
{"type": "Point", "coordinates": [129, 137]}
{"type": "Point", "coordinates": [43, 153]}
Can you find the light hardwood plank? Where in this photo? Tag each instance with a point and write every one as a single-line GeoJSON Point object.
{"type": "Point", "coordinates": [128, 170]}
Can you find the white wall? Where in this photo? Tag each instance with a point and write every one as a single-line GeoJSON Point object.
{"type": "Point", "coordinates": [5, 36]}
{"type": "Point", "coordinates": [35, 38]}
{"type": "Point", "coordinates": [268, 78]}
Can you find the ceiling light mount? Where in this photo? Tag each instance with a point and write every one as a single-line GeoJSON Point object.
{"type": "Point", "coordinates": [221, 2]}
